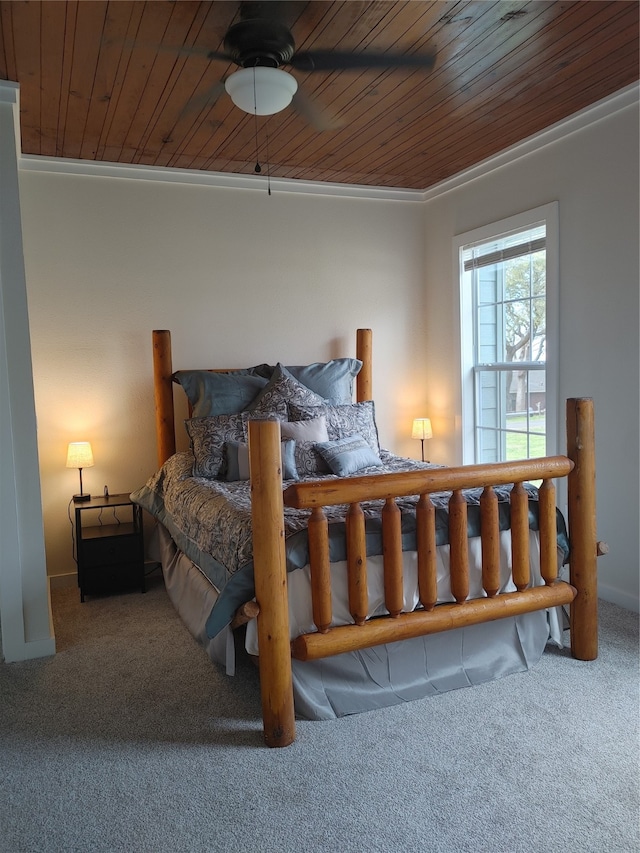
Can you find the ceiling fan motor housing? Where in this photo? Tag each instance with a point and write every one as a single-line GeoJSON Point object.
{"type": "Point", "coordinates": [259, 42]}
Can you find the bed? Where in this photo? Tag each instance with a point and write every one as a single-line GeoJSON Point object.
{"type": "Point", "coordinates": [361, 578]}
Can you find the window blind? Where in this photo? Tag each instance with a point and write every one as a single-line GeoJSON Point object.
{"type": "Point", "coordinates": [505, 254]}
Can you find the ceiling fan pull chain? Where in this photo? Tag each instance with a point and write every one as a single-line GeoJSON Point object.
{"type": "Point", "coordinates": [266, 133]}
{"type": "Point", "coordinates": [258, 168]}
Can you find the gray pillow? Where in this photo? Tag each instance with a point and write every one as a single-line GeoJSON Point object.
{"type": "Point", "coordinates": [208, 437]}
{"type": "Point", "coordinates": [220, 393]}
{"type": "Point", "coordinates": [282, 389]}
{"type": "Point", "coordinates": [313, 430]}
{"type": "Point", "coordinates": [342, 421]}
{"type": "Point", "coordinates": [348, 455]}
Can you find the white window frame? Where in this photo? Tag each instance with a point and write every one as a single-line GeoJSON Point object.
{"type": "Point", "coordinates": [521, 221]}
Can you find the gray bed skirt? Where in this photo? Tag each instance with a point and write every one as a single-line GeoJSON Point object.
{"type": "Point", "coordinates": [385, 675]}
{"type": "Point", "coordinates": [413, 669]}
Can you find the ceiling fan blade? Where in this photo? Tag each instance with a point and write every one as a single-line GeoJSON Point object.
{"type": "Point", "coordinates": [208, 98]}
{"type": "Point", "coordinates": [196, 51]}
{"type": "Point", "coordinates": [177, 49]}
{"type": "Point", "coordinates": [331, 60]}
{"type": "Point", "coordinates": [317, 116]}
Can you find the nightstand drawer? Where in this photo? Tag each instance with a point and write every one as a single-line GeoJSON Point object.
{"type": "Point", "coordinates": [119, 576]}
{"type": "Point", "coordinates": [106, 550]}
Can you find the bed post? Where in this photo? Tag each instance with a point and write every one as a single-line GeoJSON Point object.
{"type": "Point", "coordinates": [163, 391]}
{"type": "Point", "coordinates": [364, 383]}
{"type": "Point", "coordinates": [582, 528]}
{"type": "Point", "coordinates": [270, 576]}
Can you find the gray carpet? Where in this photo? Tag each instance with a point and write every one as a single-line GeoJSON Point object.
{"type": "Point", "coordinates": [129, 739]}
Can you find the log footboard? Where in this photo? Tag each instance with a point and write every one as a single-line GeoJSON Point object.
{"type": "Point", "coordinates": [269, 553]}
{"type": "Point", "coordinates": [268, 504]}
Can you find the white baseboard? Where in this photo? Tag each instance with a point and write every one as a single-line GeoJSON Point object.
{"type": "Point", "coordinates": [29, 650]}
{"type": "Point", "coordinates": [619, 597]}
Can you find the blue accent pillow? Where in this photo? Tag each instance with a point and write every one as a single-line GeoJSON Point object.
{"type": "Point", "coordinates": [348, 455]}
{"type": "Point", "coordinates": [237, 457]}
{"type": "Point", "coordinates": [332, 380]}
{"type": "Point", "coordinates": [220, 393]}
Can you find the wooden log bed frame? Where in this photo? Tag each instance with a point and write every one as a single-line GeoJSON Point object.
{"type": "Point", "coordinates": [269, 499]}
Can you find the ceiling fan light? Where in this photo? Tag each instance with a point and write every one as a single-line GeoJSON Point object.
{"type": "Point", "coordinates": [261, 91]}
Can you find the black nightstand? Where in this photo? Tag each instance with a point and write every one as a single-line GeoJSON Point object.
{"type": "Point", "coordinates": [110, 545]}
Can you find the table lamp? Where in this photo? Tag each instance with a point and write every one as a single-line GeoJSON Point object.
{"type": "Point", "coordinates": [422, 429]}
{"type": "Point", "coordinates": [79, 455]}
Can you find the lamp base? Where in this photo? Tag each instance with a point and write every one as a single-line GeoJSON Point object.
{"type": "Point", "coordinates": [79, 498]}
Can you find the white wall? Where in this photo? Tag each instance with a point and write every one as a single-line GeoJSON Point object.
{"type": "Point", "coordinates": [238, 276]}
{"type": "Point", "coordinates": [593, 174]}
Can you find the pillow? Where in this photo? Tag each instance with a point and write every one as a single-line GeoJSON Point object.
{"type": "Point", "coordinates": [348, 455]}
{"type": "Point", "coordinates": [280, 390]}
{"type": "Point", "coordinates": [237, 457]}
{"type": "Point", "coordinates": [208, 437]}
{"type": "Point", "coordinates": [220, 393]}
{"type": "Point", "coordinates": [332, 380]}
{"type": "Point", "coordinates": [313, 430]}
{"type": "Point", "coordinates": [309, 462]}
{"type": "Point", "coordinates": [342, 421]}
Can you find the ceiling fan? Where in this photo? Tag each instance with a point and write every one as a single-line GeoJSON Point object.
{"type": "Point", "coordinates": [260, 43]}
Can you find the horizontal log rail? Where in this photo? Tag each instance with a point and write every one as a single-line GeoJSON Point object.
{"type": "Point", "coordinates": [306, 495]}
{"type": "Point", "coordinates": [418, 623]}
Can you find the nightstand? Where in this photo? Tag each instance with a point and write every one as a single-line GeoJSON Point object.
{"type": "Point", "coordinates": [110, 545]}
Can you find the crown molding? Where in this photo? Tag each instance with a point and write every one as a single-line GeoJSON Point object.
{"type": "Point", "coordinates": [607, 107]}
{"type": "Point", "coordinates": [134, 171]}
{"type": "Point", "coordinates": [621, 100]}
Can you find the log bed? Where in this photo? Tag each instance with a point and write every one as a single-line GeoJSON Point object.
{"type": "Point", "coordinates": [268, 501]}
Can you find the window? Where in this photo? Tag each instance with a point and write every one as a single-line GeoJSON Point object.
{"type": "Point", "coordinates": [509, 354]}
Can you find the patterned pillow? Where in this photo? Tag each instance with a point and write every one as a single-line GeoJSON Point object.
{"type": "Point", "coordinates": [342, 421]}
{"type": "Point", "coordinates": [348, 455]}
{"type": "Point", "coordinates": [208, 437]}
{"type": "Point", "coordinates": [282, 389]}
{"type": "Point", "coordinates": [309, 462]}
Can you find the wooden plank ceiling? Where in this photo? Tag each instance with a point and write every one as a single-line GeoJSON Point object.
{"type": "Point", "coordinates": [113, 81]}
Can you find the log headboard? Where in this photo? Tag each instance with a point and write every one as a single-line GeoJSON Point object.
{"type": "Point", "coordinates": [163, 385]}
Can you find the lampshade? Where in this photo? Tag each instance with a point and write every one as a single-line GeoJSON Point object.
{"type": "Point", "coordinates": [261, 91]}
{"type": "Point", "coordinates": [79, 455]}
{"type": "Point", "coordinates": [422, 428]}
